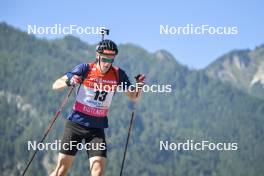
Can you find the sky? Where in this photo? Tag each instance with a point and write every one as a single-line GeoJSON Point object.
{"type": "Point", "coordinates": [139, 22]}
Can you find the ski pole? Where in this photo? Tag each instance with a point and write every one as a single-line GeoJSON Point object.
{"type": "Point", "coordinates": [128, 135]}
{"type": "Point", "coordinates": [50, 126]}
{"type": "Point", "coordinates": [138, 77]}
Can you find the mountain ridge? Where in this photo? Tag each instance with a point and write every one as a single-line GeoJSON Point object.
{"type": "Point", "coordinates": [241, 68]}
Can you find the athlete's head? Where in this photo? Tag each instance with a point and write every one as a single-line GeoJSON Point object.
{"type": "Point", "coordinates": [106, 50]}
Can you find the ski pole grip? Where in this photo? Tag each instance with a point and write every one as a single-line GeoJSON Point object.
{"type": "Point", "coordinates": [140, 77]}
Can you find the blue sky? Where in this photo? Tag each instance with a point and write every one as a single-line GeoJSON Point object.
{"type": "Point", "coordinates": [139, 22]}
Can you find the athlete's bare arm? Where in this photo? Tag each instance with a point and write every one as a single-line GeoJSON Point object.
{"type": "Point", "coordinates": [60, 83]}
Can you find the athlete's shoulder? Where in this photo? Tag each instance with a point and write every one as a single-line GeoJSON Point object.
{"type": "Point", "coordinates": [81, 67]}
{"type": "Point", "coordinates": [123, 76]}
{"type": "Point", "coordinates": [121, 71]}
{"type": "Point", "coordinates": [80, 70]}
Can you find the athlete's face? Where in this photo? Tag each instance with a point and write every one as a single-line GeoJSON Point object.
{"type": "Point", "coordinates": [106, 62]}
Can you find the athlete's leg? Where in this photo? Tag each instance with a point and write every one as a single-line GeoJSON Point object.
{"type": "Point", "coordinates": [71, 135]}
{"type": "Point", "coordinates": [63, 165]}
{"type": "Point", "coordinates": [97, 152]}
{"type": "Point", "coordinates": [97, 165]}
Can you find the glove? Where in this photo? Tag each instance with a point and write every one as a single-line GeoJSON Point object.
{"type": "Point", "coordinates": [74, 80]}
{"type": "Point", "coordinates": [140, 79]}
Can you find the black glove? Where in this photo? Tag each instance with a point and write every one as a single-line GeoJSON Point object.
{"type": "Point", "coordinates": [74, 80]}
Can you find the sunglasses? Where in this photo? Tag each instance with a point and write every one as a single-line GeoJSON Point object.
{"type": "Point", "coordinates": [108, 60]}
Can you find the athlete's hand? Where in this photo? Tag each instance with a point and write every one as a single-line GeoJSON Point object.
{"type": "Point", "coordinates": [75, 79]}
{"type": "Point", "coordinates": [140, 79]}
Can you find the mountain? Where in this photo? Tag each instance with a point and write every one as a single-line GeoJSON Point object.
{"type": "Point", "coordinates": [242, 68]}
{"type": "Point", "coordinates": [201, 107]}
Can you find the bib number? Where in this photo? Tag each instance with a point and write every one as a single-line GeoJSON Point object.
{"type": "Point", "coordinates": [101, 96]}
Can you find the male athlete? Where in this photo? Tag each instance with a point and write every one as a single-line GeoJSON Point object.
{"type": "Point", "coordinates": [88, 117]}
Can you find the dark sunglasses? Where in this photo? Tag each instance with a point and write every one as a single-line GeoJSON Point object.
{"type": "Point", "coordinates": [108, 60]}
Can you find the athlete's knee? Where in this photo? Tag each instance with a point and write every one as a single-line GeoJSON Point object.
{"type": "Point", "coordinates": [97, 168]}
{"type": "Point", "coordinates": [63, 165]}
{"type": "Point", "coordinates": [62, 170]}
